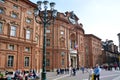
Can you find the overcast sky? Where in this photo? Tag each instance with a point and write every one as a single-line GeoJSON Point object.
{"type": "Point", "coordinates": [99, 17]}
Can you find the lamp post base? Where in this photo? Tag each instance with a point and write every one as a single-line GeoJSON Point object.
{"type": "Point", "coordinates": [43, 76]}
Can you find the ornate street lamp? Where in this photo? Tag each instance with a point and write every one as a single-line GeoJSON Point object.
{"type": "Point", "coordinates": [44, 17]}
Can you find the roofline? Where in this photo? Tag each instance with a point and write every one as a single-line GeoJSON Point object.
{"type": "Point", "coordinates": [93, 36]}
{"type": "Point", "coordinates": [31, 3]}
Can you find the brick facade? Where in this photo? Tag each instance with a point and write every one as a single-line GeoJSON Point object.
{"type": "Point", "coordinates": [23, 49]}
{"type": "Point", "coordinates": [93, 50]}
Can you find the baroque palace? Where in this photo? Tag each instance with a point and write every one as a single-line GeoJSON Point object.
{"type": "Point", "coordinates": [21, 40]}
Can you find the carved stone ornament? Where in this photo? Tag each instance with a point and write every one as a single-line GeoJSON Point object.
{"type": "Point", "coordinates": [71, 18]}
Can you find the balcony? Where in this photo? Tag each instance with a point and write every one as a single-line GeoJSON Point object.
{"type": "Point", "coordinates": [73, 51]}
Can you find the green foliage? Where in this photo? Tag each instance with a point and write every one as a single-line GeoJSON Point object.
{"type": "Point", "coordinates": [1, 75]}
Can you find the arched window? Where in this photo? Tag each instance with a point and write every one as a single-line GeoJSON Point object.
{"type": "Point", "coordinates": [72, 41]}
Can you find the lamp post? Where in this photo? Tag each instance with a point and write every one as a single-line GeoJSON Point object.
{"type": "Point", "coordinates": [44, 17]}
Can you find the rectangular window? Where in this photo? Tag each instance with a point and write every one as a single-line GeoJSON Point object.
{"type": "Point", "coordinates": [72, 44]}
{"type": "Point", "coordinates": [10, 61]}
{"type": "Point", "coordinates": [1, 27]}
{"type": "Point", "coordinates": [11, 47]}
{"type": "Point", "coordinates": [47, 42]}
{"type": "Point", "coordinates": [13, 31]}
{"type": "Point", "coordinates": [26, 63]}
{"type": "Point", "coordinates": [62, 54]}
{"type": "Point", "coordinates": [29, 12]}
{"type": "Point", "coordinates": [28, 20]}
{"type": "Point", "coordinates": [15, 6]}
{"type": "Point", "coordinates": [27, 49]}
{"type": "Point", "coordinates": [47, 62]}
{"type": "Point", "coordinates": [27, 34]}
{"type": "Point", "coordinates": [14, 15]}
{"type": "Point", "coordinates": [47, 31]}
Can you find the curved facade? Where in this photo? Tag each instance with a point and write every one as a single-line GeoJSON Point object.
{"type": "Point", "coordinates": [66, 46]}
{"type": "Point", "coordinates": [21, 39]}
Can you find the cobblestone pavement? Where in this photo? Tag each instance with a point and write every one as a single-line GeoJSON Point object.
{"type": "Point", "coordinates": [105, 75]}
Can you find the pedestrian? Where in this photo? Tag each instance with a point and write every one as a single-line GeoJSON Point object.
{"type": "Point", "coordinates": [70, 69]}
{"type": "Point", "coordinates": [97, 72]}
{"type": "Point", "coordinates": [74, 71]}
{"type": "Point", "coordinates": [58, 71]}
{"type": "Point", "coordinates": [82, 68]}
{"type": "Point", "coordinates": [91, 74]}
{"type": "Point", "coordinates": [34, 74]}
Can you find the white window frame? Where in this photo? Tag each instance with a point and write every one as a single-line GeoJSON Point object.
{"type": "Point", "coordinates": [11, 47]}
{"type": "Point", "coordinates": [27, 61]}
{"type": "Point", "coordinates": [27, 49]}
{"type": "Point", "coordinates": [13, 31]}
{"type": "Point", "coordinates": [10, 62]}
{"type": "Point", "coordinates": [28, 34]}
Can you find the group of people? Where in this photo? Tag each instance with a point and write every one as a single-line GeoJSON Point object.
{"type": "Point", "coordinates": [71, 71]}
{"type": "Point", "coordinates": [95, 73]}
{"type": "Point", "coordinates": [22, 75]}
{"type": "Point", "coordinates": [30, 75]}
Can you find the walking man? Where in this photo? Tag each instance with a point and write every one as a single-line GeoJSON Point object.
{"type": "Point", "coordinates": [97, 72]}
